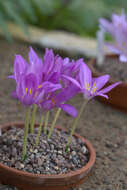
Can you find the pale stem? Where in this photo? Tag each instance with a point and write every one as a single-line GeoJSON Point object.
{"type": "Point", "coordinates": [54, 122]}
{"type": "Point", "coordinates": [33, 118]}
{"type": "Point", "coordinates": [100, 47]}
{"type": "Point", "coordinates": [46, 122]}
{"type": "Point", "coordinates": [26, 129]}
{"type": "Point", "coordinates": [39, 131]}
{"type": "Point", "coordinates": [0, 131]}
{"type": "Point", "coordinates": [75, 124]}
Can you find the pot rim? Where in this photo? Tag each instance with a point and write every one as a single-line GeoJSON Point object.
{"type": "Point", "coordinates": [94, 70]}
{"type": "Point", "coordinates": [51, 176]}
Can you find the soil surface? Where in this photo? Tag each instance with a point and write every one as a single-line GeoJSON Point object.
{"type": "Point", "coordinates": [46, 157]}
{"type": "Point", "coordinates": [105, 127]}
{"type": "Point", "coordinates": [114, 68]}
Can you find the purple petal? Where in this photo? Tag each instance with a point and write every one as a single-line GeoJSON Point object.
{"type": "Point", "coordinates": [49, 59]}
{"type": "Point", "coordinates": [75, 82]}
{"type": "Point", "coordinates": [58, 64]}
{"type": "Point", "coordinates": [39, 96]}
{"type": "Point", "coordinates": [33, 57]}
{"type": "Point", "coordinates": [35, 65]}
{"type": "Point", "coordinates": [46, 105]}
{"type": "Point", "coordinates": [99, 82]}
{"type": "Point", "coordinates": [11, 77]}
{"type": "Point", "coordinates": [113, 48]}
{"type": "Point", "coordinates": [20, 66]}
{"type": "Point", "coordinates": [106, 25]}
{"type": "Point", "coordinates": [27, 100]}
{"type": "Point", "coordinates": [69, 109]}
{"type": "Point", "coordinates": [107, 89]}
{"type": "Point", "coordinates": [48, 86]}
{"type": "Point", "coordinates": [100, 94]}
{"type": "Point", "coordinates": [85, 75]}
{"type": "Point", "coordinates": [78, 63]}
{"type": "Point", "coordinates": [30, 81]}
{"type": "Point", "coordinates": [54, 77]}
{"type": "Point", "coordinates": [66, 61]}
{"type": "Point", "coordinates": [66, 94]}
{"type": "Point", "coordinates": [123, 58]}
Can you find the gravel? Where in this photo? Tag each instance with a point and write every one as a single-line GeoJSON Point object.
{"type": "Point", "coordinates": [49, 157]}
{"type": "Point", "coordinates": [114, 68]}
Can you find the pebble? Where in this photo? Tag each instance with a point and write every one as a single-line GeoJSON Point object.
{"type": "Point", "coordinates": [73, 153]}
{"type": "Point", "coordinates": [35, 151]}
{"type": "Point", "coordinates": [31, 150]}
{"type": "Point", "coordinates": [14, 151]}
{"type": "Point", "coordinates": [115, 145]}
{"type": "Point", "coordinates": [75, 161]}
{"type": "Point", "coordinates": [84, 150]}
{"type": "Point", "coordinates": [56, 168]}
{"type": "Point", "coordinates": [106, 153]}
{"type": "Point", "coordinates": [40, 162]}
{"type": "Point", "coordinates": [60, 152]}
{"type": "Point", "coordinates": [108, 144]}
{"type": "Point", "coordinates": [21, 165]}
{"type": "Point", "coordinates": [5, 147]}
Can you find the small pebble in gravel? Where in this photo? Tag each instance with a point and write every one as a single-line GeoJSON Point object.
{"type": "Point", "coordinates": [84, 150]}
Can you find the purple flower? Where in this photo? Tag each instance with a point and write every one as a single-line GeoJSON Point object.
{"type": "Point", "coordinates": [53, 100]}
{"type": "Point", "coordinates": [89, 86]}
{"type": "Point", "coordinates": [29, 91]}
{"type": "Point", "coordinates": [36, 78]}
{"type": "Point", "coordinates": [118, 30]}
{"type": "Point", "coordinates": [21, 67]}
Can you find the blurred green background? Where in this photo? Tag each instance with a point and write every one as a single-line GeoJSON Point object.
{"type": "Point", "coordinates": [76, 16]}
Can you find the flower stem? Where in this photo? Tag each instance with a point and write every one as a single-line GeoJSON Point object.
{"type": "Point", "coordinates": [39, 131]}
{"type": "Point", "coordinates": [46, 122]}
{"type": "Point", "coordinates": [75, 124]}
{"type": "Point", "coordinates": [26, 129]}
{"type": "Point", "coordinates": [33, 118]}
{"type": "Point", "coordinates": [54, 122]}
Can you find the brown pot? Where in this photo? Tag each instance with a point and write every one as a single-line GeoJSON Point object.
{"type": "Point", "coordinates": [118, 95]}
{"type": "Point", "coordinates": [28, 181]}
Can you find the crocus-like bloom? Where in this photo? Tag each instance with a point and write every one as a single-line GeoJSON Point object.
{"type": "Point", "coordinates": [21, 67]}
{"type": "Point", "coordinates": [36, 78]}
{"type": "Point", "coordinates": [89, 86]}
{"type": "Point", "coordinates": [47, 70]}
{"type": "Point", "coordinates": [53, 100]}
{"type": "Point", "coordinates": [29, 91]}
{"type": "Point", "coordinates": [32, 78]}
{"type": "Point", "coordinates": [38, 82]}
{"type": "Point", "coordinates": [118, 30]}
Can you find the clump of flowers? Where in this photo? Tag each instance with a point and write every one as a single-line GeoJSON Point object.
{"type": "Point", "coordinates": [48, 84]}
{"type": "Point", "coordinates": [117, 28]}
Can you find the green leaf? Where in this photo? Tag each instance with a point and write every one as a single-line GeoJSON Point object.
{"type": "Point", "coordinates": [47, 7]}
{"type": "Point", "coordinates": [13, 14]}
{"type": "Point", "coordinates": [4, 27]}
{"type": "Point", "coordinates": [27, 7]}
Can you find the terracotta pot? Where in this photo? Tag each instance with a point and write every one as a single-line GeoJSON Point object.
{"type": "Point", "coordinates": [28, 181]}
{"type": "Point", "coordinates": [118, 95]}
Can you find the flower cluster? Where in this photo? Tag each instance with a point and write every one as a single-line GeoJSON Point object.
{"type": "Point", "coordinates": [117, 28]}
{"type": "Point", "coordinates": [40, 82]}
{"type": "Point", "coordinates": [50, 82]}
